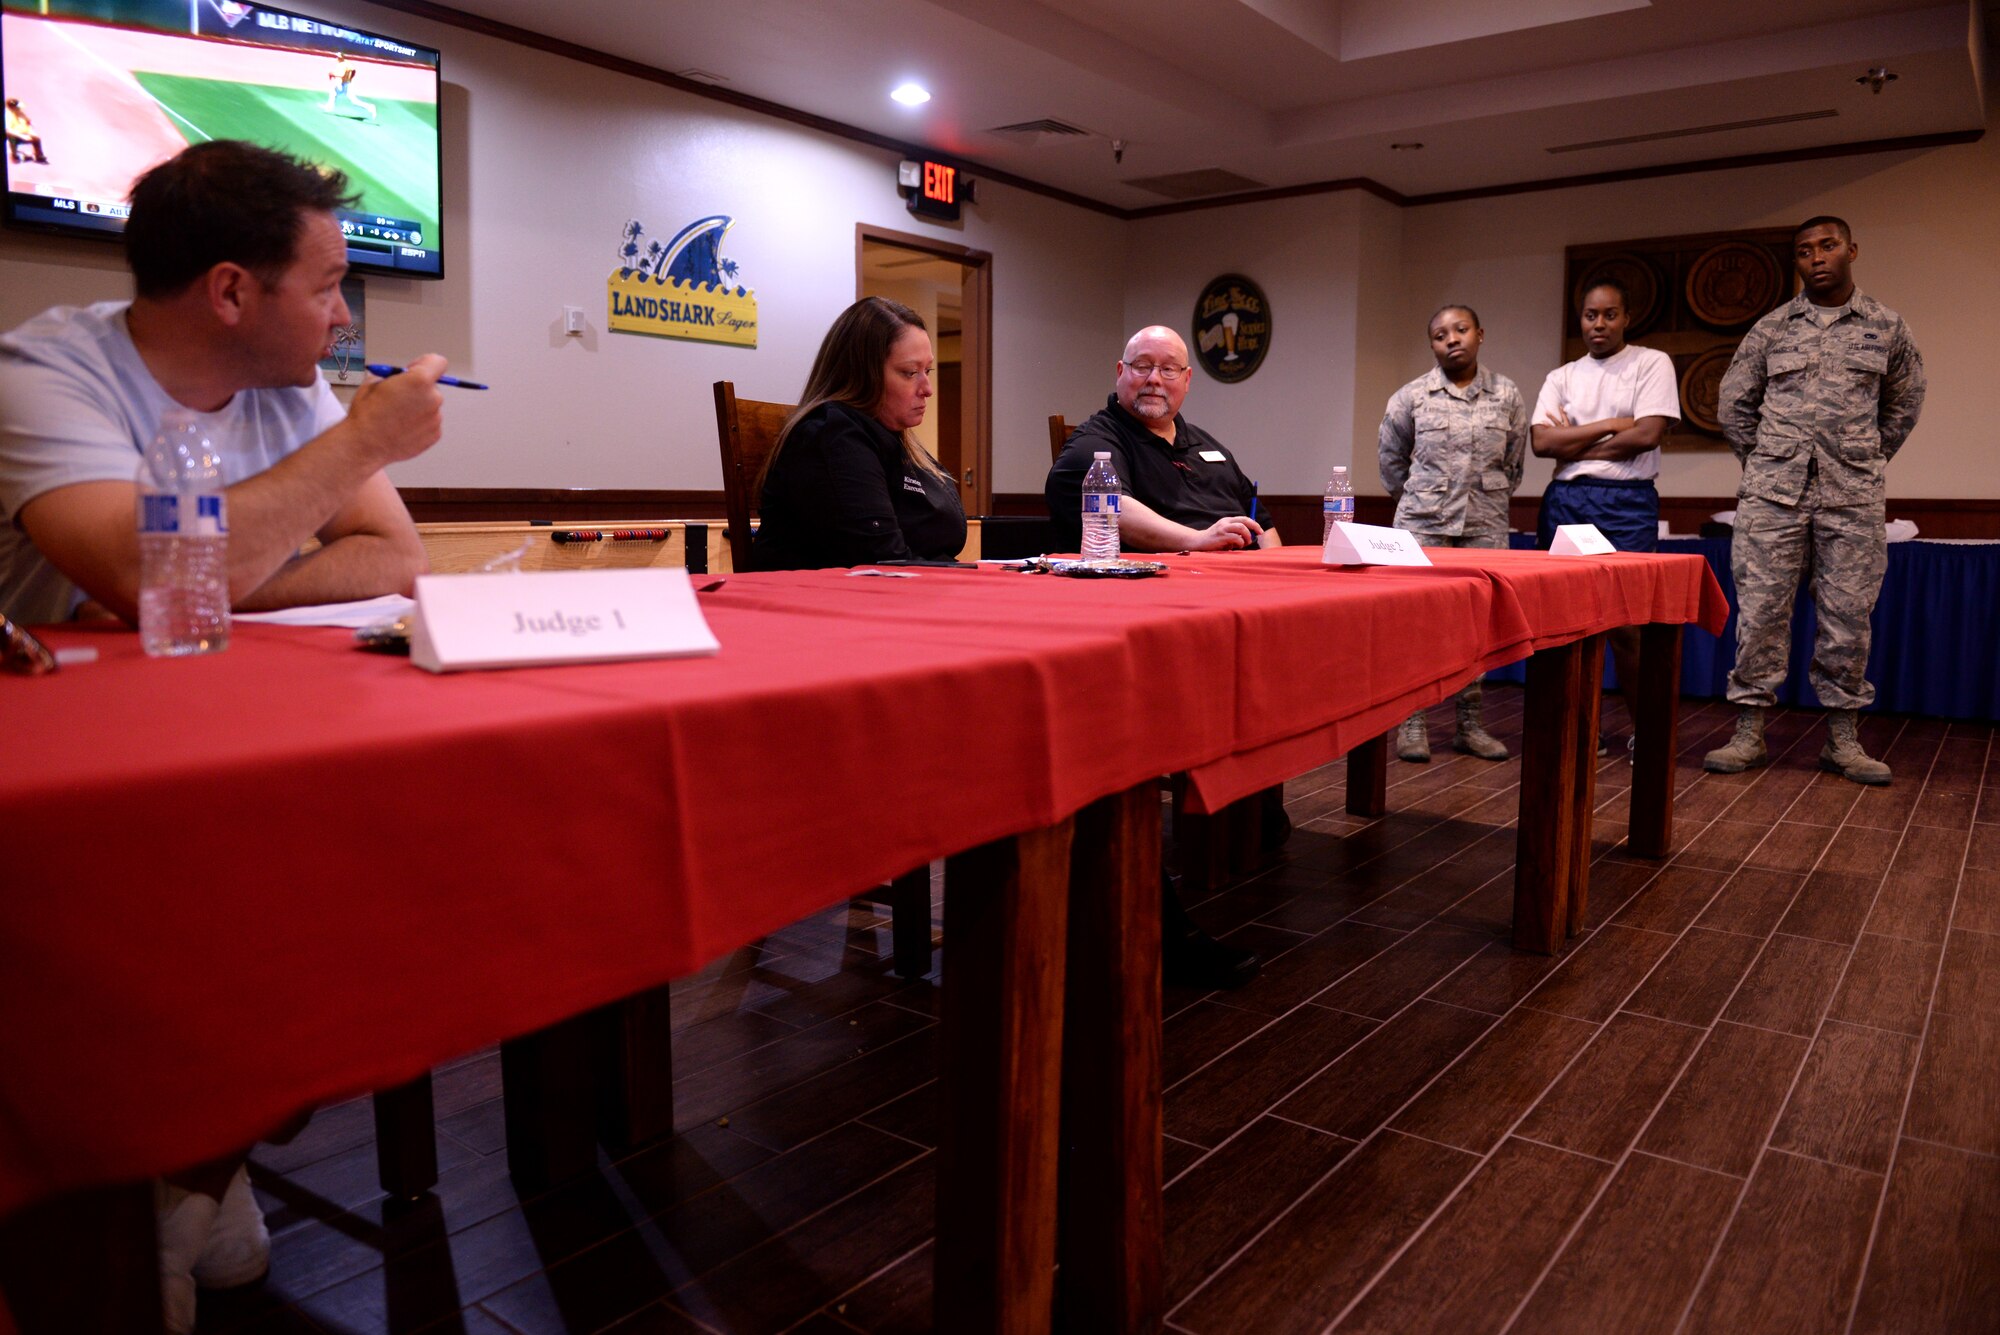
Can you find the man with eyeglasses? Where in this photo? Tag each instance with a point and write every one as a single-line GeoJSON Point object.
{"type": "Point", "coordinates": [1183, 490]}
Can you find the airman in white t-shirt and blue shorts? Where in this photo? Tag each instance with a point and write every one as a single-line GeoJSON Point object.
{"type": "Point", "coordinates": [1602, 418]}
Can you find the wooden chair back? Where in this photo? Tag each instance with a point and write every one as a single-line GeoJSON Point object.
{"type": "Point", "coordinates": [746, 430]}
{"type": "Point", "coordinates": [1058, 436]}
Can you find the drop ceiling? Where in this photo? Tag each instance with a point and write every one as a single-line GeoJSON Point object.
{"type": "Point", "coordinates": [1285, 93]}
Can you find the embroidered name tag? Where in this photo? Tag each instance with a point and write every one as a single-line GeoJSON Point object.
{"type": "Point", "coordinates": [911, 484]}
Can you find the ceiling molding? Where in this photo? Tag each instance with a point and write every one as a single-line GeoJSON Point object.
{"type": "Point", "coordinates": [1362, 183]}
{"type": "Point", "coordinates": [1905, 144]}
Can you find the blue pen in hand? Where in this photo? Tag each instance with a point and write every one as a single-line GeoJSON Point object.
{"type": "Point", "coordinates": [385, 370]}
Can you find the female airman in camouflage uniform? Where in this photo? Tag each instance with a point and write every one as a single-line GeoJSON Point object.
{"type": "Point", "coordinates": [1451, 449]}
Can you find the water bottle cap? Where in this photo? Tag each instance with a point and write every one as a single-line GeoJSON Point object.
{"type": "Point", "coordinates": [1102, 454]}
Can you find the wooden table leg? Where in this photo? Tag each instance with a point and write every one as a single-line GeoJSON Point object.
{"type": "Point", "coordinates": [910, 922]}
{"type": "Point", "coordinates": [1545, 840]}
{"type": "Point", "coordinates": [1006, 914]}
{"type": "Point", "coordinates": [548, 1096]}
{"type": "Point", "coordinates": [635, 1062]}
{"type": "Point", "coordinates": [84, 1261]}
{"type": "Point", "coordinates": [1585, 705]}
{"type": "Point", "coordinates": [1655, 730]}
{"type": "Point", "coordinates": [1368, 778]}
{"type": "Point", "coordinates": [406, 1161]}
{"type": "Point", "coordinates": [604, 1077]}
{"type": "Point", "coordinates": [1111, 1234]}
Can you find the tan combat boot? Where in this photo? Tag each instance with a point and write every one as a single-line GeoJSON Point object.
{"type": "Point", "coordinates": [1472, 738]}
{"type": "Point", "coordinates": [1413, 740]}
{"type": "Point", "coordinates": [1745, 749]}
{"type": "Point", "coordinates": [1843, 754]}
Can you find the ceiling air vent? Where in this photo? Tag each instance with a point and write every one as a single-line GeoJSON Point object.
{"type": "Point", "coordinates": [1695, 130]}
{"type": "Point", "coordinates": [1045, 128]}
{"type": "Point", "coordinates": [1195, 184]}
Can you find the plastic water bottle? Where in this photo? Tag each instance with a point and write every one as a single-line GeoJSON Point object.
{"type": "Point", "coordinates": [1339, 504]}
{"type": "Point", "coordinates": [1100, 509]}
{"type": "Point", "coordinates": [183, 543]}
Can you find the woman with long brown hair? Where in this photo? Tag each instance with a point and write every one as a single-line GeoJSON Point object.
{"type": "Point", "coordinates": [847, 483]}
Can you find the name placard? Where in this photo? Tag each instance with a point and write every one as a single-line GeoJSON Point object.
{"type": "Point", "coordinates": [1368, 545]}
{"type": "Point", "coordinates": [1580, 540]}
{"type": "Point", "coordinates": [463, 622]}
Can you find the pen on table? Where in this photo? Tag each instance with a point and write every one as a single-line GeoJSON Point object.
{"type": "Point", "coordinates": [384, 370]}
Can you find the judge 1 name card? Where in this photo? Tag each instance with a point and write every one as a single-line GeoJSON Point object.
{"type": "Point", "coordinates": [523, 619]}
{"type": "Point", "coordinates": [1367, 545]}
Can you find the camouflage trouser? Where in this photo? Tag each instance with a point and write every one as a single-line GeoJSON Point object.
{"type": "Point", "coordinates": [1491, 538]}
{"type": "Point", "coordinates": [1849, 553]}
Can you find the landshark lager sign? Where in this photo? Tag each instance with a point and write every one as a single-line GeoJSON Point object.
{"type": "Point", "coordinates": [681, 288]}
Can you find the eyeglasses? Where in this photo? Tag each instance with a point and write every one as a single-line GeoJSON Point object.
{"type": "Point", "coordinates": [1144, 370]}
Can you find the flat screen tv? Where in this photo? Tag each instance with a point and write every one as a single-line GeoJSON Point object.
{"type": "Point", "coordinates": [97, 91]}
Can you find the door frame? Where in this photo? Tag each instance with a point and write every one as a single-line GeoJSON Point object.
{"type": "Point", "coordinates": [975, 402]}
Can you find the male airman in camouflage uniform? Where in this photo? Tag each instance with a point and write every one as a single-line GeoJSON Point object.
{"type": "Point", "coordinates": [1821, 394]}
{"type": "Point", "coordinates": [1452, 444]}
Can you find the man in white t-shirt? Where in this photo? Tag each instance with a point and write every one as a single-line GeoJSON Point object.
{"type": "Point", "coordinates": [1602, 417]}
{"type": "Point", "coordinates": [236, 259]}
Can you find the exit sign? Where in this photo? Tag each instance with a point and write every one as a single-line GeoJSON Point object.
{"type": "Point", "coordinates": [937, 189]}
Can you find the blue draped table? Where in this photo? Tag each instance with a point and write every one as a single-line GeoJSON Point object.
{"type": "Point", "coordinates": [1936, 647]}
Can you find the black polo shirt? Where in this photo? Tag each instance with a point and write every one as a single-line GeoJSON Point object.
{"type": "Point", "coordinates": [842, 493]}
{"type": "Point", "coordinates": [1194, 481]}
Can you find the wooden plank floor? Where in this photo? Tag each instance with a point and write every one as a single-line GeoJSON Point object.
{"type": "Point", "coordinates": [1758, 1095]}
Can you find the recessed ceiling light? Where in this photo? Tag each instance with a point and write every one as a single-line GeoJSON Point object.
{"type": "Point", "coordinates": [1410, 147]}
{"type": "Point", "coordinates": [911, 95]}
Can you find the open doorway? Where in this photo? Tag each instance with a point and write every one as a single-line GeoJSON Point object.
{"type": "Point", "coordinates": [951, 287]}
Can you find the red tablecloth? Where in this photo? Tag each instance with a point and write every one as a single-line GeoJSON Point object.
{"type": "Point", "coordinates": [1533, 600]}
{"type": "Point", "coordinates": [244, 884]}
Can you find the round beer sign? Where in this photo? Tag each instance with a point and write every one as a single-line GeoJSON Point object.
{"type": "Point", "coordinates": [1232, 328]}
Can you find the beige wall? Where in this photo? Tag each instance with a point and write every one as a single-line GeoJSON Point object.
{"type": "Point", "coordinates": [1293, 418]}
{"type": "Point", "coordinates": [1925, 221]}
{"type": "Point", "coordinates": [1352, 281]}
{"type": "Point", "coordinates": [546, 159]}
